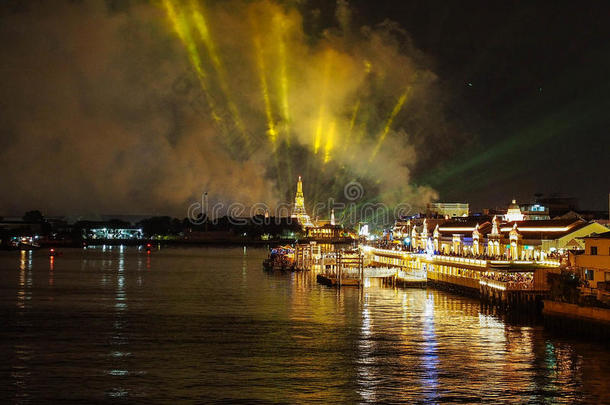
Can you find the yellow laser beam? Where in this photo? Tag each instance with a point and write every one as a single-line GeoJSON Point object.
{"type": "Point", "coordinates": [284, 87]}
{"type": "Point", "coordinates": [388, 124]}
{"type": "Point", "coordinates": [367, 66]}
{"type": "Point", "coordinates": [201, 26]}
{"type": "Point", "coordinates": [280, 22]}
{"type": "Point", "coordinates": [271, 130]}
{"type": "Point", "coordinates": [318, 136]}
{"type": "Point", "coordinates": [352, 121]}
{"type": "Point", "coordinates": [322, 111]}
{"type": "Point", "coordinates": [181, 27]}
{"type": "Point", "coordinates": [361, 129]}
{"type": "Point", "coordinates": [271, 127]}
{"type": "Point", "coordinates": [285, 111]}
{"type": "Point", "coordinates": [329, 142]}
{"type": "Point", "coordinates": [367, 70]}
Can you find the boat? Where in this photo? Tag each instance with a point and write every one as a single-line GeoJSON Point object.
{"type": "Point", "coordinates": [280, 259]}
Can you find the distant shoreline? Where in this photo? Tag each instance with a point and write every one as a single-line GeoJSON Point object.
{"type": "Point", "coordinates": [181, 242]}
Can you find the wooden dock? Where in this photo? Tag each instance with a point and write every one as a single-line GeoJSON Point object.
{"type": "Point", "coordinates": [342, 269]}
{"type": "Point", "coordinates": [335, 282]}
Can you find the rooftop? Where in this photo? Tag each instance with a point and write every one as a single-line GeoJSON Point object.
{"type": "Point", "coordinates": [605, 235]}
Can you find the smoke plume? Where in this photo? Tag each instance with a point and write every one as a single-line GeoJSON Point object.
{"type": "Point", "coordinates": [144, 108]}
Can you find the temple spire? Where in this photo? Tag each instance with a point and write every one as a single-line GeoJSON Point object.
{"type": "Point", "coordinates": [298, 210]}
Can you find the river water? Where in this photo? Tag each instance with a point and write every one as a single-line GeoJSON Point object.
{"type": "Point", "coordinates": [195, 325]}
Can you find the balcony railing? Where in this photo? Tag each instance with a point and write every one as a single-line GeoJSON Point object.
{"type": "Point", "coordinates": [460, 259]}
{"type": "Point", "coordinates": [507, 285]}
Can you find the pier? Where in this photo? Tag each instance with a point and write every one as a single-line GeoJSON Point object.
{"type": "Point", "coordinates": [503, 283]}
{"type": "Point", "coordinates": [352, 266]}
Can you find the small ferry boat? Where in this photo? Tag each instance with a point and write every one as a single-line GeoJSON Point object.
{"type": "Point", "coordinates": [280, 259]}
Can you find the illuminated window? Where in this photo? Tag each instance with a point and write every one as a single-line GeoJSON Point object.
{"type": "Point", "coordinates": [588, 274]}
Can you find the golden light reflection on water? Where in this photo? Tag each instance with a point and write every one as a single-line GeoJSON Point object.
{"type": "Point", "coordinates": [211, 324]}
{"type": "Point", "coordinates": [51, 270]}
{"type": "Point", "coordinates": [21, 290]}
{"type": "Point", "coordinates": [425, 336]}
{"type": "Point", "coordinates": [20, 370]}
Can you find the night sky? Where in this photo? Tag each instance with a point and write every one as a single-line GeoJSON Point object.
{"type": "Point", "coordinates": [529, 81]}
{"type": "Point", "coordinates": [103, 110]}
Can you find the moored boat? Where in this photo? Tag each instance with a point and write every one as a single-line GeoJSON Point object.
{"type": "Point", "coordinates": [280, 259]}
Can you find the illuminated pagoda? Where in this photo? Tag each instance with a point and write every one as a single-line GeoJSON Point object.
{"type": "Point", "coordinates": [298, 211]}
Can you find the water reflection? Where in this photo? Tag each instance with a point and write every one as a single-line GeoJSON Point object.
{"type": "Point", "coordinates": [24, 292]}
{"type": "Point", "coordinates": [20, 370]}
{"type": "Point", "coordinates": [118, 340]}
{"type": "Point", "coordinates": [429, 358]}
{"type": "Point", "coordinates": [51, 270]}
{"type": "Point", "coordinates": [244, 268]}
{"type": "Point", "coordinates": [21, 290]}
{"type": "Point", "coordinates": [209, 325]}
{"type": "Point", "coordinates": [460, 352]}
{"type": "Point", "coordinates": [366, 388]}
